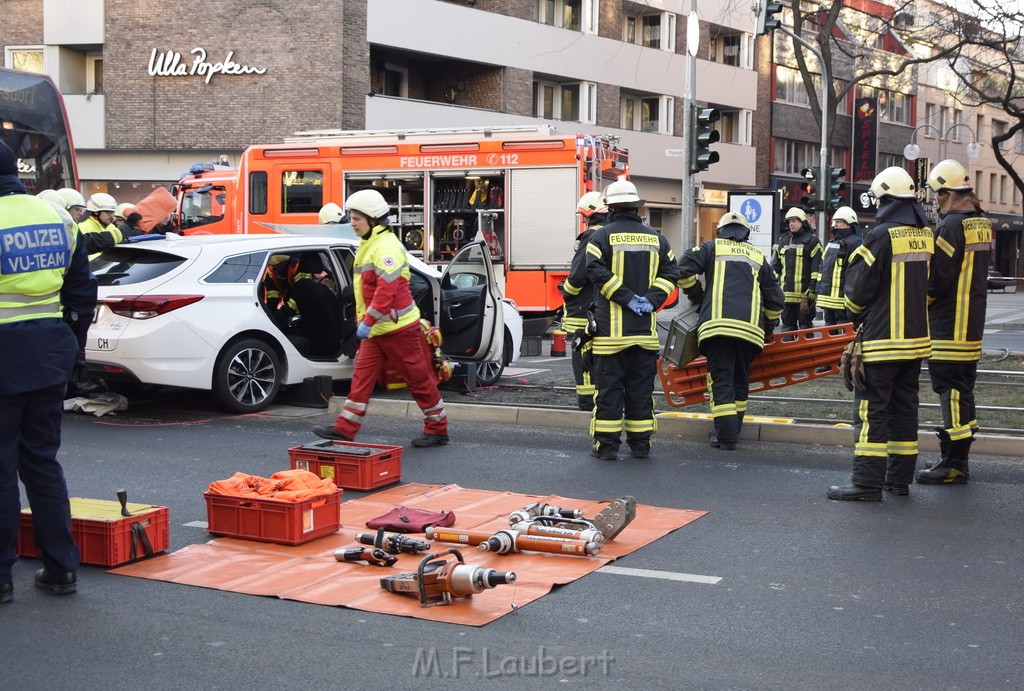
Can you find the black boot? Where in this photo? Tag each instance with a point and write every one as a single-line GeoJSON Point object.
{"type": "Point", "coordinates": [854, 493]}
{"type": "Point", "coordinates": [952, 470]}
{"type": "Point", "coordinates": [943, 436]}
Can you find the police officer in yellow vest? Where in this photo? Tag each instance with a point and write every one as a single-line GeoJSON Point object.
{"type": "Point", "coordinates": [957, 297]}
{"type": "Point", "coordinates": [578, 293]}
{"type": "Point", "coordinates": [887, 298]}
{"type": "Point", "coordinates": [634, 272]}
{"type": "Point", "coordinates": [44, 278]}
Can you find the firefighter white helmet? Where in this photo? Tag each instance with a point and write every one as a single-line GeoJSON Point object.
{"type": "Point", "coordinates": [949, 175]}
{"type": "Point", "coordinates": [733, 218]}
{"type": "Point", "coordinates": [101, 201]}
{"type": "Point", "coordinates": [796, 213]}
{"type": "Point", "coordinates": [123, 210]}
{"type": "Point", "coordinates": [845, 213]}
{"type": "Point", "coordinates": [52, 196]}
{"type": "Point", "coordinates": [71, 197]}
{"type": "Point", "coordinates": [369, 203]}
{"type": "Point", "coordinates": [893, 182]}
{"type": "Point", "coordinates": [330, 213]}
{"type": "Point", "coordinates": [623, 193]}
{"type": "Point", "coordinates": [591, 203]}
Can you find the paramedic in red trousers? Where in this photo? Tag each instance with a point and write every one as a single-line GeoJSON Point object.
{"type": "Point", "coordinates": [578, 294]}
{"type": "Point", "coordinates": [634, 271]}
{"type": "Point", "coordinates": [741, 305]}
{"type": "Point", "coordinates": [44, 279]}
{"type": "Point", "coordinates": [389, 325]}
{"type": "Point", "coordinates": [957, 296]}
{"type": "Point", "coordinates": [887, 298]}
{"type": "Point", "coordinates": [797, 264]}
{"type": "Point", "coordinates": [846, 238]}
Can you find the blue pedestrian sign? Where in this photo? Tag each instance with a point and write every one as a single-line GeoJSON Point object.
{"type": "Point", "coordinates": [751, 210]}
{"type": "Point", "coordinates": [761, 209]}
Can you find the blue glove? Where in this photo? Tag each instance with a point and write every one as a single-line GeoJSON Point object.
{"type": "Point", "coordinates": [636, 303]}
{"type": "Point", "coordinates": [363, 331]}
{"type": "Point", "coordinates": [646, 305]}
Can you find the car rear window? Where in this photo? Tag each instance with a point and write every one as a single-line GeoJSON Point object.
{"type": "Point", "coordinates": [242, 268]}
{"type": "Point", "coordinates": [124, 266]}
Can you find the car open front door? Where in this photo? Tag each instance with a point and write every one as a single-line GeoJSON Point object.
{"type": "Point", "coordinates": [471, 314]}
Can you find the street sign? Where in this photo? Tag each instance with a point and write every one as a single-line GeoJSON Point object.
{"type": "Point", "coordinates": [675, 152]}
{"type": "Point", "coordinates": [761, 208]}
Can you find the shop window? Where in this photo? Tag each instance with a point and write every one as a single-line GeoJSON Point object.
{"type": "Point", "coordinates": [576, 102]}
{"type": "Point", "coordinates": [302, 191]}
{"type": "Point", "coordinates": [647, 113]}
{"type": "Point", "coordinates": [652, 30]}
{"type": "Point", "coordinates": [25, 58]}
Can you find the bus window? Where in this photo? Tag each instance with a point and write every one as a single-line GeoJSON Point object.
{"type": "Point", "coordinates": [34, 124]}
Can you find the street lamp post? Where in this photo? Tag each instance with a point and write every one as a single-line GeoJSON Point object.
{"type": "Point", "coordinates": [912, 151]}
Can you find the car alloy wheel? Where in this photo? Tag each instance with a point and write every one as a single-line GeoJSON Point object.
{"type": "Point", "coordinates": [247, 376]}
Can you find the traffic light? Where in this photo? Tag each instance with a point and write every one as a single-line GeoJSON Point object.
{"type": "Point", "coordinates": [701, 155]}
{"type": "Point", "coordinates": [768, 19]}
{"type": "Point", "coordinates": [836, 187]}
{"type": "Point", "coordinates": [809, 189]}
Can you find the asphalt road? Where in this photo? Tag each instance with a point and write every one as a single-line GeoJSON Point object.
{"type": "Point", "coordinates": [922, 592]}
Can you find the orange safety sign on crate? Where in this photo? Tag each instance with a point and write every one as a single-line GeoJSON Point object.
{"type": "Point", "coordinates": [791, 357]}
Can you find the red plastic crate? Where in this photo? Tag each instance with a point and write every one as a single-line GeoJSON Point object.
{"type": "Point", "coordinates": [270, 520]}
{"type": "Point", "coordinates": [350, 464]}
{"type": "Point", "coordinates": [103, 535]}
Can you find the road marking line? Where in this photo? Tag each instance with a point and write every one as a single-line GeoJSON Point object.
{"type": "Point", "coordinates": [664, 575]}
{"type": "Point", "coordinates": [196, 524]}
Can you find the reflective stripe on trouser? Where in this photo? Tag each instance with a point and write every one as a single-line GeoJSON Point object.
{"type": "Point", "coordinates": [624, 399]}
{"type": "Point", "coordinates": [728, 382]}
{"type": "Point", "coordinates": [29, 441]}
{"type": "Point", "coordinates": [885, 425]}
{"type": "Point", "coordinates": [954, 383]}
{"type": "Point", "coordinates": [402, 351]}
{"type": "Point", "coordinates": [585, 388]}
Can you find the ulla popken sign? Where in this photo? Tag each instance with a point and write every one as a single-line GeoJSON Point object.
{"type": "Point", "coordinates": [170, 63]}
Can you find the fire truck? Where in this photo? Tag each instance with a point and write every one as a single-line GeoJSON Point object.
{"type": "Point", "coordinates": [514, 187]}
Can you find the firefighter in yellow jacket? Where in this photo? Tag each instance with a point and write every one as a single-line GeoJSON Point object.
{"type": "Point", "coordinates": [578, 294]}
{"type": "Point", "coordinates": [887, 298]}
{"type": "Point", "coordinates": [634, 272]}
{"type": "Point", "coordinates": [846, 238]}
{"type": "Point", "coordinates": [957, 297]}
{"type": "Point", "coordinates": [389, 326]}
{"type": "Point", "coordinates": [797, 264]}
{"type": "Point", "coordinates": [742, 302]}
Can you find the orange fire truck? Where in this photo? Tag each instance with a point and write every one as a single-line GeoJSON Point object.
{"type": "Point", "coordinates": [514, 187]}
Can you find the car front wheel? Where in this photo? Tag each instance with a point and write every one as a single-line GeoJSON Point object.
{"type": "Point", "coordinates": [247, 376]}
{"type": "Point", "coordinates": [488, 373]}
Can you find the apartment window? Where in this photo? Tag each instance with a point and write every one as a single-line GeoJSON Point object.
{"type": "Point", "coordinates": [978, 124]}
{"type": "Point", "coordinates": [25, 58]}
{"type": "Point", "coordinates": [577, 15]}
{"type": "Point", "coordinates": [895, 107]}
{"type": "Point", "coordinates": [929, 118]}
{"type": "Point", "coordinates": [735, 126]}
{"type": "Point", "coordinates": [396, 81]}
{"type": "Point", "coordinates": [94, 73]}
{"type": "Point", "coordinates": [1016, 196]}
{"type": "Point", "coordinates": [1004, 187]}
{"type": "Point", "coordinates": [977, 183]}
{"type": "Point", "coordinates": [648, 113]}
{"type": "Point", "coordinates": [792, 157]}
{"type": "Point", "coordinates": [943, 120]}
{"type": "Point", "coordinates": [657, 30]}
{"type": "Point", "coordinates": [893, 161]}
{"type": "Point", "coordinates": [789, 87]}
{"type": "Point", "coordinates": [576, 101]}
{"type": "Point", "coordinates": [958, 118]}
{"type": "Point", "coordinates": [1019, 146]}
{"type": "Point", "coordinates": [998, 130]}
{"type": "Point", "coordinates": [992, 187]}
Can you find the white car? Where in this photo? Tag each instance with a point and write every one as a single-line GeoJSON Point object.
{"type": "Point", "coordinates": [193, 312]}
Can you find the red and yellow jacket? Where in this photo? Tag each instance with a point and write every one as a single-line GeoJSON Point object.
{"type": "Point", "coordinates": [381, 281]}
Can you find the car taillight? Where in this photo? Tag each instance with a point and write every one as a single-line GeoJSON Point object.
{"type": "Point", "coordinates": [148, 306]}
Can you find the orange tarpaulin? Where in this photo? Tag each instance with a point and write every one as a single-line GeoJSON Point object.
{"type": "Point", "coordinates": [286, 485]}
{"type": "Point", "coordinates": [309, 572]}
{"type": "Point", "coordinates": [156, 207]}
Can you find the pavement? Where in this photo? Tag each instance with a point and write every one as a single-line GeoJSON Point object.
{"type": "Point", "coordinates": [1005, 311]}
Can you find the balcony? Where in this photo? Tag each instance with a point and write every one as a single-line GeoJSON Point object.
{"type": "Point", "coordinates": [88, 120]}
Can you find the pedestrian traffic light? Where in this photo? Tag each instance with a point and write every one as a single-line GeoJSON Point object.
{"type": "Point", "coordinates": [701, 155]}
{"type": "Point", "coordinates": [768, 19]}
{"type": "Point", "coordinates": [836, 187]}
{"type": "Point", "coordinates": [809, 188]}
